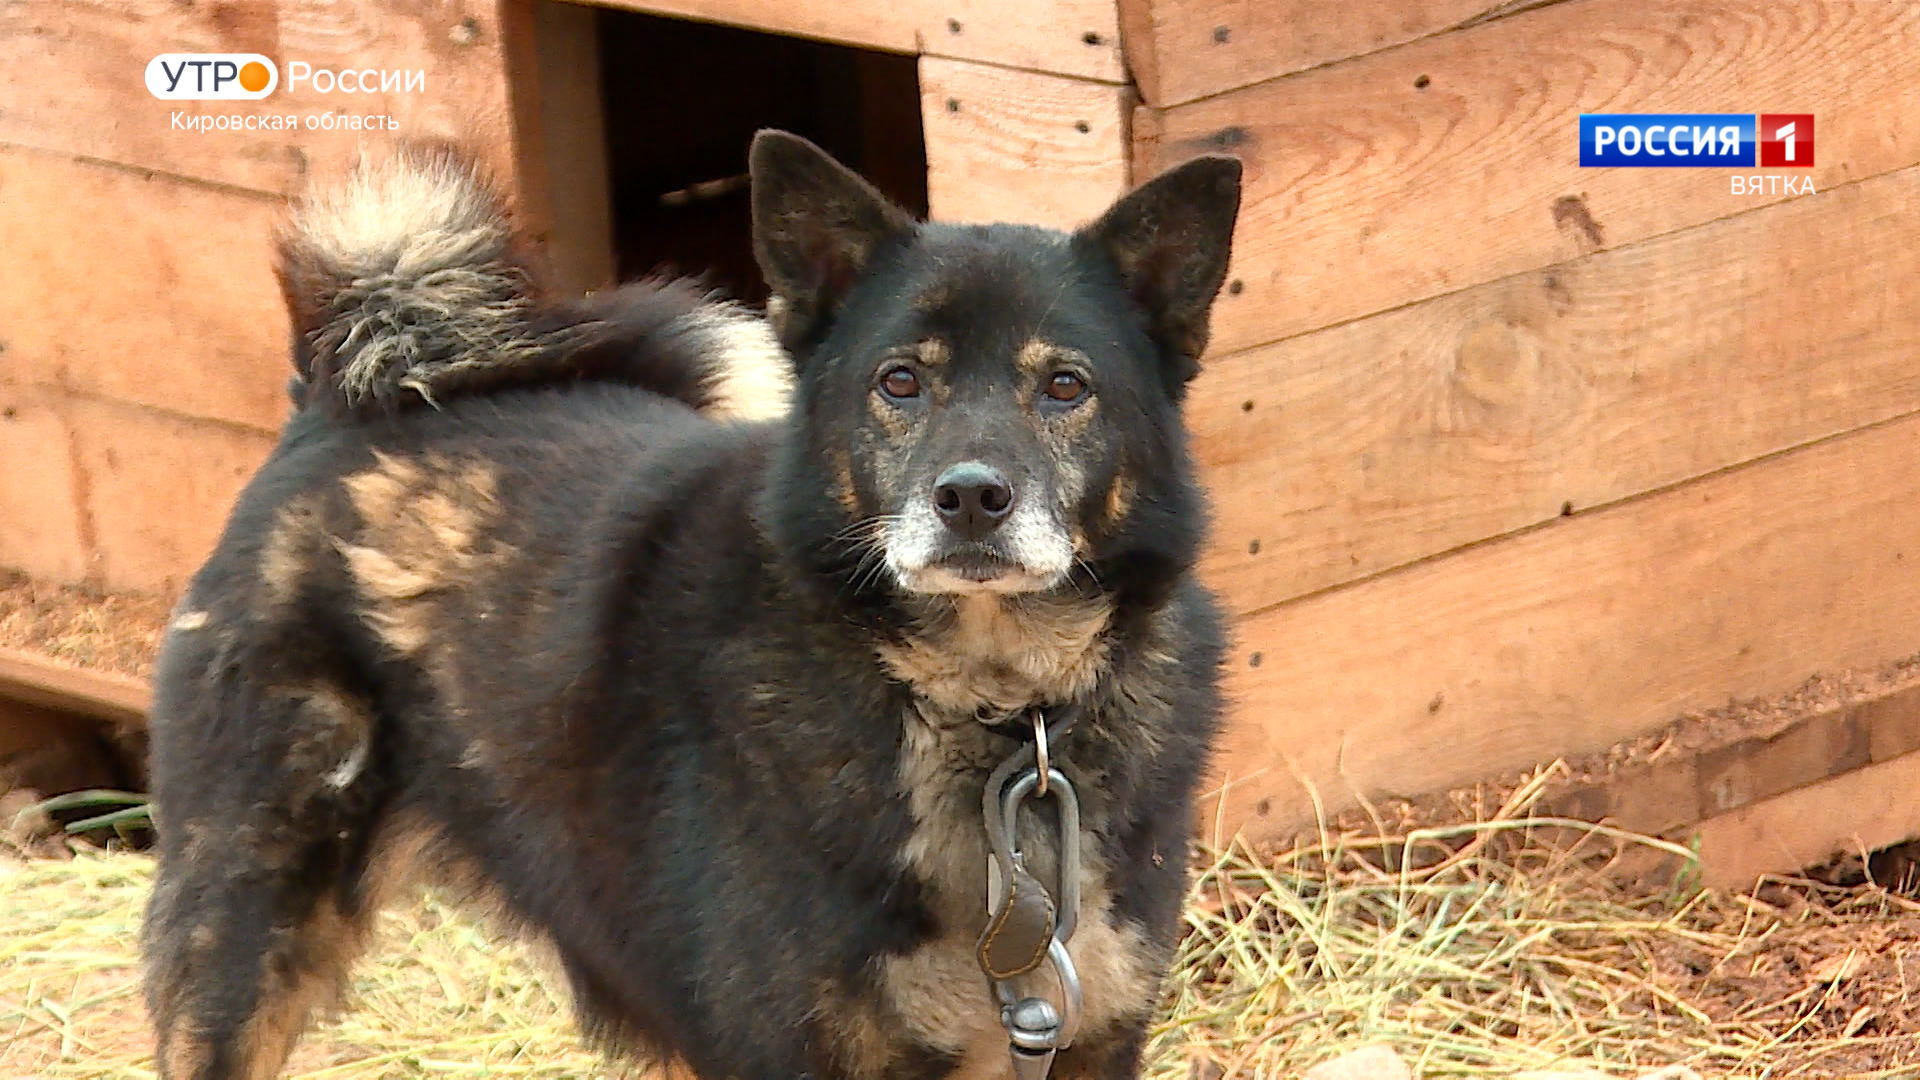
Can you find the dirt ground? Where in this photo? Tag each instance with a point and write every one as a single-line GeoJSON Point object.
{"type": "Point", "coordinates": [1837, 974]}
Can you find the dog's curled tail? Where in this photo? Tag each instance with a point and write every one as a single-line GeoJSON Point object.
{"type": "Point", "coordinates": [408, 287]}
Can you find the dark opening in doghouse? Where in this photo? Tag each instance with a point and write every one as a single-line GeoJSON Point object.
{"type": "Point", "coordinates": [677, 105]}
{"type": "Point", "coordinates": [57, 764]}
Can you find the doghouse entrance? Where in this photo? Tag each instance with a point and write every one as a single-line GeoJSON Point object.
{"type": "Point", "coordinates": [647, 155]}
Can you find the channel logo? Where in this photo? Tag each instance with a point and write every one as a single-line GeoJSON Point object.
{"type": "Point", "coordinates": [1786, 140]}
{"type": "Point", "coordinates": [1696, 140]}
{"type": "Point", "coordinates": [211, 76]}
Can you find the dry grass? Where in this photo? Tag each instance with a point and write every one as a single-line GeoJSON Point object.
{"type": "Point", "coordinates": [1506, 952]}
{"type": "Point", "coordinates": [115, 632]}
{"type": "Point", "coordinates": [441, 996]}
{"type": "Point", "coordinates": [1499, 947]}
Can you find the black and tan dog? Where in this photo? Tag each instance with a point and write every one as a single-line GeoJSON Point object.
{"type": "Point", "coordinates": [566, 603]}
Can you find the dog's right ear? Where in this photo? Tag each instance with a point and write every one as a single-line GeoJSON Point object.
{"type": "Point", "coordinates": [816, 224]}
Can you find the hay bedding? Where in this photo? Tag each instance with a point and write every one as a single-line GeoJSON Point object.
{"type": "Point", "coordinates": [116, 632]}
{"type": "Point", "coordinates": [1509, 951]}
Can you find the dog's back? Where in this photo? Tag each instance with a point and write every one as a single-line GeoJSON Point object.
{"type": "Point", "coordinates": [433, 537]}
{"type": "Point", "coordinates": [529, 598]}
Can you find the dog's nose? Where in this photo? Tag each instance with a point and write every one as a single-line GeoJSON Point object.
{"type": "Point", "coordinates": [973, 498]}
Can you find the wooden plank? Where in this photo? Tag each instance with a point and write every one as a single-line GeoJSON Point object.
{"type": "Point", "coordinates": [573, 141]}
{"type": "Point", "coordinates": [42, 530]}
{"type": "Point", "coordinates": [1854, 813]}
{"type": "Point", "coordinates": [524, 142]}
{"type": "Point", "coordinates": [1180, 50]}
{"type": "Point", "coordinates": [158, 488]}
{"type": "Point", "coordinates": [1453, 161]}
{"type": "Point", "coordinates": [888, 25]}
{"type": "Point", "coordinates": [1573, 637]}
{"type": "Point", "coordinates": [1667, 782]}
{"type": "Point", "coordinates": [1347, 451]}
{"type": "Point", "coordinates": [1062, 37]}
{"type": "Point", "coordinates": [70, 80]}
{"type": "Point", "coordinates": [39, 680]}
{"type": "Point", "coordinates": [1006, 145]}
{"type": "Point", "coordinates": [143, 288]}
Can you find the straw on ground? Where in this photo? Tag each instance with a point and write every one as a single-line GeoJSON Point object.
{"type": "Point", "coordinates": [1507, 952]}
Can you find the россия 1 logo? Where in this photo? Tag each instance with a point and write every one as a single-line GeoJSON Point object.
{"type": "Point", "coordinates": [1697, 140]}
{"type": "Point", "coordinates": [211, 76]}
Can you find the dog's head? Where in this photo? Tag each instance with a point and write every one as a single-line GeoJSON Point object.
{"type": "Point", "coordinates": [988, 409]}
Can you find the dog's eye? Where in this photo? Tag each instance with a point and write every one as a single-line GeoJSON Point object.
{"type": "Point", "coordinates": [900, 383]}
{"type": "Point", "coordinates": [1066, 386]}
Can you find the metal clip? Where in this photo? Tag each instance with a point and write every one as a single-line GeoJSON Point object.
{"type": "Point", "coordinates": [1036, 1028]}
{"type": "Point", "coordinates": [1060, 790]}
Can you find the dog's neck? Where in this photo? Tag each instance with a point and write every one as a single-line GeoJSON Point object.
{"type": "Point", "coordinates": [987, 656]}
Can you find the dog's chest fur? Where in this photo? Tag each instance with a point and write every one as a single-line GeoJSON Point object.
{"type": "Point", "coordinates": [987, 658]}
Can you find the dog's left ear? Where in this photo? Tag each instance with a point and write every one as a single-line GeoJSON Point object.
{"type": "Point", "coordinates": [816, 225]}
{"type": "Point", "coordinates": [1170, 238]}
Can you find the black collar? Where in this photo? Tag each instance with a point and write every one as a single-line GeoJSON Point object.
{"type": "Point", "coordinates": [1018, 724]}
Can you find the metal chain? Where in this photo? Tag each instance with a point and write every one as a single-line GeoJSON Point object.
{"type": "Point", "coordinates": [1040, 763]}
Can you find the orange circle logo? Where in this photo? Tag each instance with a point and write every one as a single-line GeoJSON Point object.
{"type": "Point", "coordinates": [253, 77]}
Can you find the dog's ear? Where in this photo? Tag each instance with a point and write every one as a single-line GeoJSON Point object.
{"type": "Point", "coordinates": [1170, 239]}
{"type": "Point", "coordinates": [815, 226]}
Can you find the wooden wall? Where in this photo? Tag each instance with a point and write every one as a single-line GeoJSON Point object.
{"type": "Point", "coordinates": [1514, 459]}
{"type": "Point", "coordinates": [142, 342]}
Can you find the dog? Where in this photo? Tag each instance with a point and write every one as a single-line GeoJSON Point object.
{"type": "Point", "coordinates": [688, 639]}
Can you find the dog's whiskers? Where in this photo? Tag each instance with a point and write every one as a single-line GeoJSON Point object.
{"type": "Point", "coordinates": [864, 532]}
{"type": "Point", "coordinates": [865, 538]}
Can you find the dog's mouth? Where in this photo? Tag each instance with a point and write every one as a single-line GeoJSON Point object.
{"type": "Point", "coordinates": [978, 564]}
{"type": "Point", "coordinates": [1024, 555]}
{"type": "Point", "coordinates": [974, 568]}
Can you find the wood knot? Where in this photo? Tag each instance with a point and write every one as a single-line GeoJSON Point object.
{"type": "Point", "coordinates": [1497, 363]}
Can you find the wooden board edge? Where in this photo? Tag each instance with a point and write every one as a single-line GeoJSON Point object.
{"type": "Point", "coordinates": [1854, 813]}
{"type": "Point", "coordinates": [1077, 38]}
{"type": "Point", "coordinates": [531, 178]}
{"type": "Point", "coordinates": [567, 145]}
{"type": "Point", "coordinates": [41, 680]}
{"type": "Point", "coordinates": [1139, 49]}
{"type": "Point", "coordinates": [895, 32]}
{"type": "Point", "coordinates": [1693, 771]}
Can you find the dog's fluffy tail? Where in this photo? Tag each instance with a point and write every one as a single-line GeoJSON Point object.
{"type": "Point", "coordinates": [408, 287]}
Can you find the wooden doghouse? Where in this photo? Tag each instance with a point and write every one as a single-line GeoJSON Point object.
{"type": "Point", "coordinates": [1511, 460]}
